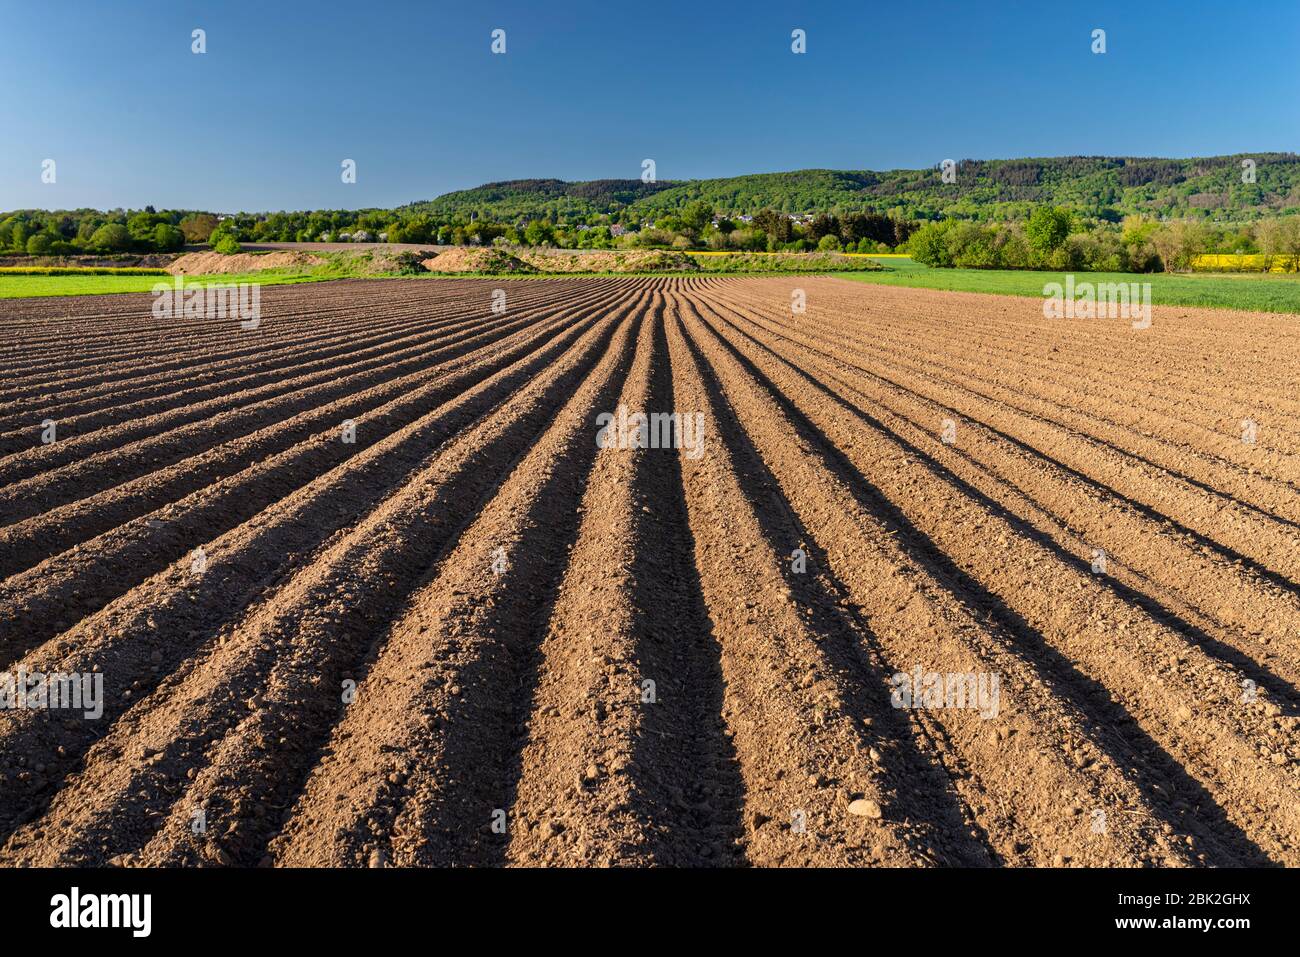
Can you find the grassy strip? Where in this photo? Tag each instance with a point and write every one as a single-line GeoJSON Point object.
{"type": "Point", "coordinates": [1255, 292]}
{"type": "Point", "coordinates": [22, 287]}
{"type": "Point", "coordinates": [81, 271]}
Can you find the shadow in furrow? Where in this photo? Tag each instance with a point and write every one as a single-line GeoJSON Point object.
{"type": "Point", "coordinates": [1249, 667]}
{"type": "Point", "coordinates": [1174, 795]}
{"type": "Point", "coordinates": [236, 585]}
{"type": "Point", "coordinates": [1147, 511]}
{"type": "Point", "coordinates": [482, 747]}
{"type": "Point", "coordinates": [682, 755]}
{"type": "Point", "coordinates": [930, 796]}
{"type": "Point", "coordinates": [54, 602]}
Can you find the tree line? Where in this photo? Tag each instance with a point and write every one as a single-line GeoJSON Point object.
{"type": "Point", "coordinates": [64, 233]}
{"type": "Point", "coordinates": [1046, 237]}
{"type": "Point", "coordinates": [1056, 238]}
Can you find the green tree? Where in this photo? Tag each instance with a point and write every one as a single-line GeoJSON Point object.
{"type": "Point", "coordinates": [824, 225]}
{"type": "Point", "coordinates": [697, 215]}
{"type": "Point", "coordinates": [1047, 229]}
{"type": "Point", "coordinates": [39, 244]}
{"type": "Point", "coordinates": [596, 238]}
{"type": "Point", "coordinates": [777, 225]}
{"type": "Point", "coordinates": [141, 226]}
{"type": "Point", "coordinates": [539, 232]}
{"type": "Point", "coordinates": [1270, 234]}
{"type": "Point", "coordinates": [167, 238]}
{"type": "Point", "coordinates": [111, 237]}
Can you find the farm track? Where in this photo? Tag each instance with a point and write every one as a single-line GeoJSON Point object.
{"type": "Point", "coordinates": [471, 636]}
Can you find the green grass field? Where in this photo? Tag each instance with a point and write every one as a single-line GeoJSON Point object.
{"type": "Point", "coordinates": [19, 287]}
{"type": "Point", "coordinates": [1251, 291]}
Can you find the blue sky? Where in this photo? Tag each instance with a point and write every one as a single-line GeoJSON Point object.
{"type": "Point", "coordinates": [412, 93]}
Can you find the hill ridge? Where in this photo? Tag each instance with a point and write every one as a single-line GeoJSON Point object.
{"type": "Point", "coordinates": [1104, 186]}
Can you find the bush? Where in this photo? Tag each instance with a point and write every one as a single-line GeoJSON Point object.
{"type": "Point", "coordinates": [754, 240]}
{"type": "Point", "coordinates": [1059, 259]}
{"type": "Point", "coordinates": [226, 243]}
{"type": "Point", "coordinates": [970, 246]}
{"type": "Point", "coordinates": [39, 245]}
{"type": "Point", "coordinates": [111, 237]}
{"type": "Point", "coordinates": [223, 239]}
{"type": "Point", "coordinates": [1012, 248]}
{"type": "Point", "coordinates": [1101, 248]}
{"type": "Point", "coordinates": [929, 244]}
{"type": "Point", "coordinates": [828, 244]}
{"type": "Point", "coordinates": [650, 238]}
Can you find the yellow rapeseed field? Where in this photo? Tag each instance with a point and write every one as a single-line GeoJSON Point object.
{"type": "Point", "coordinates": [1243, 262]}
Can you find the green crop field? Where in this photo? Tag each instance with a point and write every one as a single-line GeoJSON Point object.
{"type": "Point", "coordinates": [88, 284]}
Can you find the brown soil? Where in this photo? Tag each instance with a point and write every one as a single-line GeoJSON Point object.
{"type": "Point", "coordinates": [117, 260]}
{"type": "Point", "coordinates": [465, 259]}
{"type": "Point", "coordinates": [572, 655]}
{"type": "Point", "coordinates": [202, 264]}
{"type": "Point", "coordinates": [637, 260]}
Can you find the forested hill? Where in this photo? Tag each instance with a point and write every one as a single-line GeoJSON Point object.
{"type": "Point", "coordinates": [1217, 187]}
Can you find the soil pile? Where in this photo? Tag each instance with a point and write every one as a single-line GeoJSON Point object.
{"type": "Point", "coordinates": [202, 264]}
{"type": "Point", "coordinates": [471, 260]}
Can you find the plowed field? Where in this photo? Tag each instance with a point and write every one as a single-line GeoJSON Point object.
{"type": "Point", "coordinates": [472, 636]}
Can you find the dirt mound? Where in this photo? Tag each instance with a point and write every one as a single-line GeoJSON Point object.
{"type": "Point", "coordinates": [117, 260]}
{"type": "Point", "coordinates": [631, 261]}
{"type": "Point", "coordinates": [388, 261]}
{"type": "Point", "coordinates": [203, 264]}
{"type": "Point", "coordinates": [816, 262]}
{"type": "Point", "coordinates": [904, 579]}
{"type": "Point", "coordinates": [470, 260]}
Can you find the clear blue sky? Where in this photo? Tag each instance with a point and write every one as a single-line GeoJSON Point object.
{"type": "Point", "coordinates": [411, 91]}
